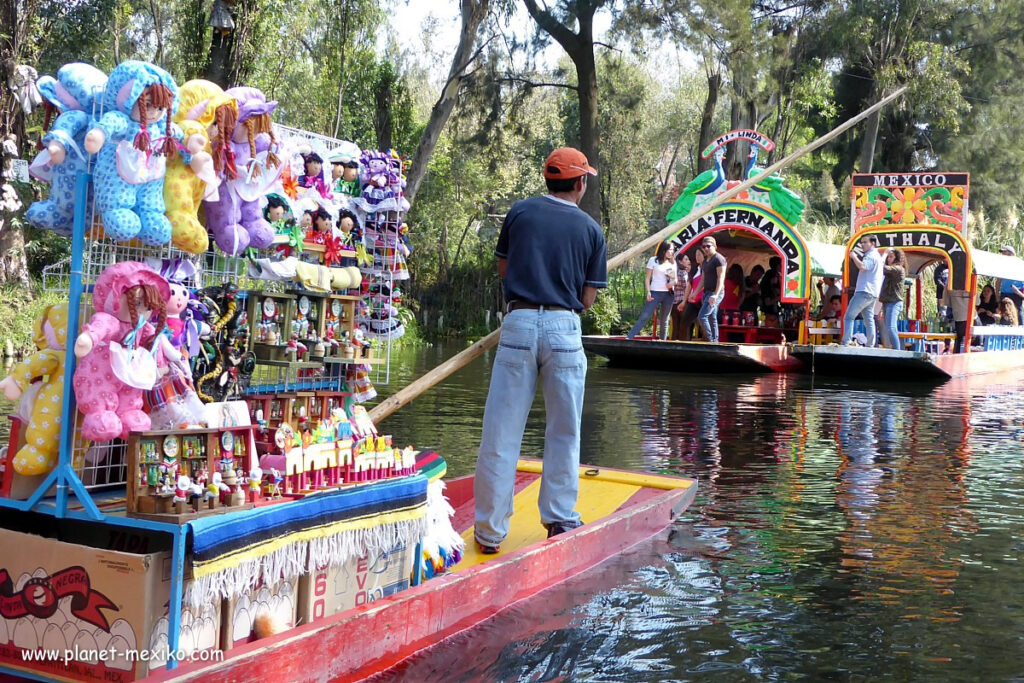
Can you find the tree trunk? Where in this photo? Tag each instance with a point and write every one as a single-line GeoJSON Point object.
{"type": "Point", "coordinates": [867, 145]}
{"type": "Point", "coordinates": [218, 64]}
{"type": "Point", "coordinates": [346, 12]}
{"type": "Point", "coordinates": [473, 14]}
{"type": "Point", "coordinates": [383, 93]}
{"type": "Point", "coordinates": [707, 120]}
{"type": "Point", "coordinates": [744, 115]}
{"type": "Point", "coordinates": [580, 48]}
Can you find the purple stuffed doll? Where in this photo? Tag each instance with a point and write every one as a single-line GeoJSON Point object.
{"type": "Point", "coordinates": [235, 218]}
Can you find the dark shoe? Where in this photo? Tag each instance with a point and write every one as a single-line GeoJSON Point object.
{"type": "Point", "coordinates": [556, 528]}
{"type": "Point", "coordinates": [488, 549]}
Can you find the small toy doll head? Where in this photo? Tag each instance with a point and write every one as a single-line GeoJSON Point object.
{"type": "Point", "coordinates": [347, 221]}
{"type": "Point", "coordinates": [276, 208]}
{"type": "Point", "coordinates": [306, 222]}
{"type": "Point", "coordinates": [322, 221]}
{"type": "Point", "coordinates": [178, 300]}
{"type": "Point", "coordinates": [313, 164]}
{"type": "Point", "coordinates": [337, 170]}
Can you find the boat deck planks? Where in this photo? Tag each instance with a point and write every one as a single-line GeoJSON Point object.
{"type": "Point", "coordinates": [597, 500]}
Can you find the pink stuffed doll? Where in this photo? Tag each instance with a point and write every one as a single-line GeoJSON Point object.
{"type": "Point", "coordinates": [128, 298]}
{"type": "Point", "coordinates": [235, 218]}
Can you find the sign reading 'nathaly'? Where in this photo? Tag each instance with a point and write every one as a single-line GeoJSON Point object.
{"type": "Point", "coordinates": [926, 239]}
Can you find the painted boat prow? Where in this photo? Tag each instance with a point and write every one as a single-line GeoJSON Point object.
{"type": "Point", "coordinates": [372, 638]}
{"type": "Point", "coordinates": [856, 361]}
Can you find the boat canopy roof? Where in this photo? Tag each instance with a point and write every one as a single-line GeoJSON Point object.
{"type": "Point", "coordinates": [826, 259]}
{"type": "Point", "coordinates": [987, 264]}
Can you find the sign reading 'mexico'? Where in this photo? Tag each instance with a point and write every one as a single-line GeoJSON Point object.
{"type": "Point", "coordinates": [755, 218]}
{"type": "Point", "coordinates": [931, 239]}
{"type": "Point", "coordinates": [908, 179]}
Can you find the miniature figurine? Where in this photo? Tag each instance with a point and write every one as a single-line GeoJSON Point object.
{"type": "Point", "coordinates": [182, 491]}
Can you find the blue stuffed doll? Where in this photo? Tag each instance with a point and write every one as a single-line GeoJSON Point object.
{"type": "Point", "coordinates": [133, 150]}
{"type": "Point", "coordinates": [76, 94]}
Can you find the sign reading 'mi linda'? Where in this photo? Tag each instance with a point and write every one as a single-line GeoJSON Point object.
{"type": "Point", "coordinates": [919, 212]}
{"type": "Point", "coordinates": [759, 139]}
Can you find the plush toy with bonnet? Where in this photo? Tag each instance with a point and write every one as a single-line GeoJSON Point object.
{"type": "Point", "coordinates": [134, 139]}
{"type": "Point", "coordinates": [46, 366]}
{"type": "Point", "coordinates": [207, 118]}
{"type": "Point", "coordinates": [129, 299]}
{"type": "Point", "coordinates": [75, 91]}
{"type": "Point", "coordinates": [235, 218]}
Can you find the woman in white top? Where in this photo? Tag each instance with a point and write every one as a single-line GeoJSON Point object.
{"type": "Point", "coordinates": [659, 281]}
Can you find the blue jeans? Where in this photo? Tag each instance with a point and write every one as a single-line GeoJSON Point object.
{"type": "Point", "coordinates": [661, 302]}
{"type": "Point", "coordinates": [534, 343]}
{"type": "Point", "coordinates": [708, 317]}
{"type": "Point", "coordinates": [862, 304]}
{"type": "Point", "coordinates": [892, 311]}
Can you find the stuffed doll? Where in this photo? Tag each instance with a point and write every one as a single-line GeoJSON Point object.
{"type": "Point", "coordinates": [345, 170]}
{"type": "Point", "coordinates": [75, 91]}
{"type": "Point", "coordinates": [312, 177]}
{"type": "Point", "coordinates": [133, 152]}
{"type": "Point", "coordinates": [377, 195]}
{"type": "Point", "coordinates": [235, 219]}
{"type": "Point", "coordinates": [207, 117]}
{"type": "Point", "coordinates": [46, 365]}
{"type": "Point", "coordinates": [129, 299]}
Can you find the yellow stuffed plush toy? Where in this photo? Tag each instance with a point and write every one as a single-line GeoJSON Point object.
{"type": "Point", "coordinates": [42, 437]}
{"type": "Point", "coordinates": [206, 116]}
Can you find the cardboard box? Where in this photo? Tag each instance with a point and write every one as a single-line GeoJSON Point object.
{"type": "Point", "coordinates": [334, 589]}
{"type": "Point", "coordinates": [239, 622]}
{"type": "Point", "coordinates": [61, 601]}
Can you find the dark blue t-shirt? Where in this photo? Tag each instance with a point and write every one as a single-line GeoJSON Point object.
{"type": "Point", "coordinates": [553, 249]}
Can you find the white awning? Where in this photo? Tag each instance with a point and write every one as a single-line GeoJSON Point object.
{"type": "Point", "coordinates": [826, 259]}
{"type": "Point", "coordinates": [987, 264]}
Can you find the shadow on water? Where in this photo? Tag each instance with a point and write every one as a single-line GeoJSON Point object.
{"type": "Point", "coordinates": [841, 530]}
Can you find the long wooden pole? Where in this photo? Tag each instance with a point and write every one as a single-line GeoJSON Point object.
{"type": "Point", "coordinates": [464, 358]}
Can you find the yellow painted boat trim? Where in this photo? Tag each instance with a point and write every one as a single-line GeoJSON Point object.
{"type": "Point", "coordinates": [591, 473]}
{"type": "Point", "coordinates": [598, 498]}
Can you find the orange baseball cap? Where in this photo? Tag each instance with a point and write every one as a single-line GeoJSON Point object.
{"type": "Point", "coordinates": [567, 162]}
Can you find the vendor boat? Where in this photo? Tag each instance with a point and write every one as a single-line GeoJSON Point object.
{"type": "Point", "coordinates": [655, 354]}
{"type": "Point", "coordinates": [620, 508]}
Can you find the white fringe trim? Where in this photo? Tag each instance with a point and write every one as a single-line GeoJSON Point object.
{"type": "Point", "coordinates": [302, 557]}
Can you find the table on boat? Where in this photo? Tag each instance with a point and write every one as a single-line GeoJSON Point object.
{"type": "Point", "coordinates": [931, 342]}
{"type": "Point", "coordinates": [999, 337]}
{"type": "Point", "coordinates": [752, 334]}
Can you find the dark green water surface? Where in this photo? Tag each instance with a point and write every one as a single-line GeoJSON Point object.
{"type": "Point", "coordinates": [841, 531]}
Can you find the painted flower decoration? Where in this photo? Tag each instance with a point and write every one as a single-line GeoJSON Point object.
{"type": "Point", "coordinates": [956, 198]}
{"type": "Point", "coordinates": [290, 184]}
{"type": "Point", "coordinates": [909, 208]}
{"type": "Point", "coordinates": [860, 197]}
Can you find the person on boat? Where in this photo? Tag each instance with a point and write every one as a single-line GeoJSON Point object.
{"type": "Point", "coordinates": [1008, 312]}
{"type": "Point", "coordinates": [714, 285]}
{"type": "Point", "coordinates": [959, 303]}
{"type": "Point", "coordinates": [869, 286]}
{"type": "Point", "coordinates": [679, 291]}
{"type": "Point", "coordinates": [693, 300]}
{"type": "Point", "coordinates": [659, 280]}
{"type": "Point", "coordinates": [771, 290]}
{"type": "Point", "coordinates": [988, 306]}
{"type": "Point", "coordinates": [751, 290]}
{"type": "Point", "coordinates": [832, 310]}
{"type": "Point", "coordinates": [827, 288]}
{"type": "Point", "coordinates": [552, 258]}
{"type": "Point", "coordinates": [893, 273]}
{"type": "Point", "coordinates": [1011, 289]}
{"type": "Point", "coordinates": [940, 276]}
{"type": "Point", "coordinates": [733, 289]}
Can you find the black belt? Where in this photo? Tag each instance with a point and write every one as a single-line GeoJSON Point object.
{"type": "Point", "coordinates": [521, 305]}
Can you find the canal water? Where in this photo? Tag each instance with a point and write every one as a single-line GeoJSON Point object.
{"type": "Point", "coordinates": [841, 531]}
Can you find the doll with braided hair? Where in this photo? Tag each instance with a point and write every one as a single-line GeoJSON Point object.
{"type": "Point", "coordinates": [129, 297]}
{"type": "Point", "coordinates": [235, 219]}
{"type": "Point", "coordinates": [207, 117]}
{"type": "Point", "coordinates": [133, 150]}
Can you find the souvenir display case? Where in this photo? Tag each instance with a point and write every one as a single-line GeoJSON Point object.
{"type": "Point", "coordinates": [270, 324]}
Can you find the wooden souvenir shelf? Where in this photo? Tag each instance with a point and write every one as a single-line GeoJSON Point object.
{"type": "Point", "coordinates": [270, 322]}
{"type": "Point", "coordinates": [182, 452]}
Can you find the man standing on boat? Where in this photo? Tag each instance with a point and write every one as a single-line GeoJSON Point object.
{"type": "Point", "coordinates": [869, 286]}
{"type": "Point", "coordinates": [552, 258]}
{"type": "Point", "coordinates": [714, 287]}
